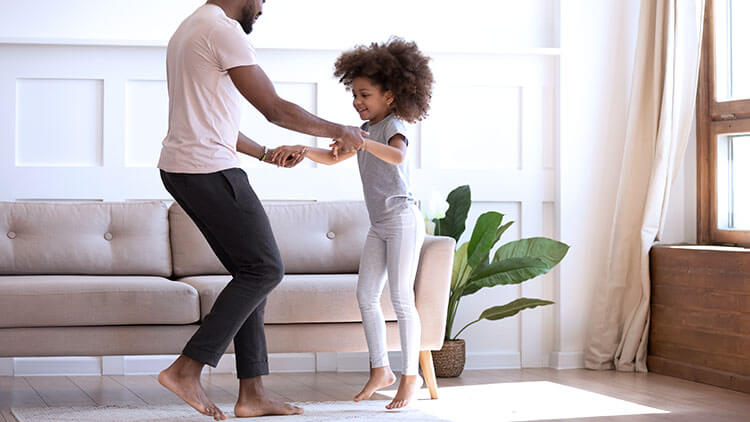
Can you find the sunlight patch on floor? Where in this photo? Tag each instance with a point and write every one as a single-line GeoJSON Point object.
{"type": "Point", "coordinates": [524, 401]}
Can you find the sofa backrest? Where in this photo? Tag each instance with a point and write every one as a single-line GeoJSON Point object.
{"type": "Point", "coordinates": [92, 238]}
{"type": "Point", "coordinates": [314, 238]}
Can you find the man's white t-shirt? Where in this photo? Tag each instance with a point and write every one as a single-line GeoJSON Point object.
{"type": "Point", "coordinates": [204, 104]}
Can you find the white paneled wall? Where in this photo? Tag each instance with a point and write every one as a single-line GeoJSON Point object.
{"type": "Point", "coordinates": [486, 129]}
{"type": "Point", "coordinates": [438, 25]}
{"type": "Point", "coordinates": [146, 109]}
{"type": "Point", "coordinates": [83, 118]}
{"type": "Point", "coordinates": [70, 106]}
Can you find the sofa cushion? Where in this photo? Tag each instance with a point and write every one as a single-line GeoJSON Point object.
{"type": "Point", "coordinates": [300, 298]}
{"type": "Point", "coordinates": [53, 301]}
{"type": "Point", "coordinates": [125, 238]}
{"type": "Point", "coordinates": [314, 238]}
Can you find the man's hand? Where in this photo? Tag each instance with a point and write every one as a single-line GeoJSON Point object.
{"type": "Point", "coordinates": [287, 156]}
{"type": "Point", "coordinates": [351, 139]}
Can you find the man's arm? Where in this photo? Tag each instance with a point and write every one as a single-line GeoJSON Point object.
{"type": "Point", "coordinates": [247, 146]}
{"type": "Point", "coordinates": [256, 87]}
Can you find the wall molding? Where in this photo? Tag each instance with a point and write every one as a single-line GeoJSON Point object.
{"type": "Point", "coordinates": [121, 42]}
{"type": "Point", "coordinates": [566, 360]}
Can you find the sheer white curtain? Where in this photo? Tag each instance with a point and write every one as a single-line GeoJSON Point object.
{"type": "Point", "coordinates": [660, 114]}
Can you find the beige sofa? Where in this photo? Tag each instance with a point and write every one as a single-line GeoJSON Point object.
{"type": "Point", "coordinates": [135, 278]}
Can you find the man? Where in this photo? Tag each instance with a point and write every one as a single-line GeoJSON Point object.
{"type": "Point", "coordinates": [209, 63]}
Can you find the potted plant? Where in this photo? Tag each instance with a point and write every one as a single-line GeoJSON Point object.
{"type": "Point", "coordinates": [474, 269]}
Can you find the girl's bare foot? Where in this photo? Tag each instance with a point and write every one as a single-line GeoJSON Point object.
{"type": "Point", "coordinates": [183, 379]}
{"type": "Point", "coordinates": [253, 401]}
{"type": "Point", "coordinates": [379, 378]}
{"type": "Point", "coordinates": [407, 389]}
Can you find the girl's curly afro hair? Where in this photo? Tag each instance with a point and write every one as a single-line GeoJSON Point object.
{"type": "Point", "coordinates": [397, 66]}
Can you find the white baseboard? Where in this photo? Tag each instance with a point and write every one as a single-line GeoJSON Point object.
{"type": "Point", "coordinates": [147, 365]}
{"type": "Point", "coordinates": [291, 362]}
{"type": "Point", "coordinates": [6, 367]}
{"type": "Point", "coordinates": [352, 362]}
{"type": "Point", "coordinates": [57, 366]}
{"type": "Point", "coordinates": [113, 365]}
{"type": "Point", "coordinates": [566, 360]}
{"type": "Point", "coordinates": [360, 362]}
{"type": "Point", "coordinates": [226, 365]}
{"type": "Point", "coordinates": [278, 362]}
{"type": "Point", "coordinates": [326, 362]}
{"type": "Point", "coordinates": [493, 360]}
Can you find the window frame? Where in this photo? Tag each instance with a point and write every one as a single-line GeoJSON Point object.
{"type": "Point", "coordinates": [714, 118]}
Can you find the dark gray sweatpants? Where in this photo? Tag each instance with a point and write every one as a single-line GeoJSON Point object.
{"type": "Point", "coordinates": [233, 221]}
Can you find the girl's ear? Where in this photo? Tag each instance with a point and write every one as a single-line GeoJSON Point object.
{"type": "Point", "coordinates": [389, 97]}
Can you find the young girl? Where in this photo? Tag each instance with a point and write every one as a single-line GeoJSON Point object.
{"type": "Point", "coordinates": [391, 83]}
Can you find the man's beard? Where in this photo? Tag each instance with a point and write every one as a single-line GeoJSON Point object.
{"type": "Point", "coordinates": [247, 20]}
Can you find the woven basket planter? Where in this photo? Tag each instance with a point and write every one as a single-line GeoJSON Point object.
{"type": "Point", "coordinates": [450, 360]}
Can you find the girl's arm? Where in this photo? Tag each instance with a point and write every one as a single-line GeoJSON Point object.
{"type": "Point", "coordinates": [393, 153]}
{"type": "Point", "coordinates": [326, 156]}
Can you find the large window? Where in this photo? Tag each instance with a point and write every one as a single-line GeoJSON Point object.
{"type": "Point", "coordinates": [723, 125]}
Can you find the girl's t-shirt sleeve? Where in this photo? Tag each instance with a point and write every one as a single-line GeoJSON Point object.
{"type": "Point", "coordinates": [393, 128]}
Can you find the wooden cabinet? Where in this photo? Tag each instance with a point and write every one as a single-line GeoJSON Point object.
{"type": "Point", "coordinates": [700, 314]}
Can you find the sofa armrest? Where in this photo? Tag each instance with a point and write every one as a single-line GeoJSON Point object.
{"type": "Point", "coordinates": [432, 286]}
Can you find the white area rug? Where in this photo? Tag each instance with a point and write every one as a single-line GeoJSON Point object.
{"type": "Point", "coordinates": [510, 401]}
{"type": "Point", "coordinates": [372, 410]}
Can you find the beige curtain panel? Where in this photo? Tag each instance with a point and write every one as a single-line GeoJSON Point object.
{"type": "Point", "coordinates": [660, 114]}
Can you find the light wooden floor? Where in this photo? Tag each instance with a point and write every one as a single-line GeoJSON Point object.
{"type": "Point", "coordinates": [685, 401]}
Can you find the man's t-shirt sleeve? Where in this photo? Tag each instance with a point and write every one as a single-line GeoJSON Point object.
{"type": "Point", "coordinates": [232, 48]}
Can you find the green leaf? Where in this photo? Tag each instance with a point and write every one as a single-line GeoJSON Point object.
{"type": "Point", "coordinates": [548, 250]}
{"type": "Point", "coordinates": [509, 309]}
{"type": "Point", "coordinates": [483, 237]}
{"type": "Point", "coordinates": [502, 230]}
{"type": "Point", "coordinates": [454, 222]}
{"type": "Point", "coordinates": [507, 271]}
{"type": "Point", "coordinates": [461, 269]}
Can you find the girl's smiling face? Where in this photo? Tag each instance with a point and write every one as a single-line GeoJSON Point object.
{"type": "Point", "coordinates": [370, 101]}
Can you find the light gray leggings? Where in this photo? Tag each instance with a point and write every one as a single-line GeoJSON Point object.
{"type": "Point", "coordinates": [392, 249]}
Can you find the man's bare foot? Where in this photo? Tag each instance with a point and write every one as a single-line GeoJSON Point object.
{"type": "Point", "coordinates": [407, 389]}
{"type": "Point", "coordinates": [379, 378]}
{"type": "Point", "coordinates": [264, 407]}
{"type": "Point", "coordinates": [183, 379]}
{"type": "Point", "coordinates": [253, 401]}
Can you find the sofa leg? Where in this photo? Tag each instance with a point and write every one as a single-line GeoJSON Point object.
{"type": "Point", "coordinates": [428, 370]}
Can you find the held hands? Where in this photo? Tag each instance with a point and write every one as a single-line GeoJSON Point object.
{"type": "Point", "coordinates": [351, 141]}
{"type": "Point", "coordinates": [287, 156]}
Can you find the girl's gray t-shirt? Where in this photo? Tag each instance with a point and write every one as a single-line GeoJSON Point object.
{"type": "Point", "coordinates": [386, 186]}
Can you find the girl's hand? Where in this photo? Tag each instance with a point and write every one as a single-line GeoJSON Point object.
{"type": "Point", "coordinates": [335, 149]}
{"type": "Point", "coordinates": [288, 156]}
